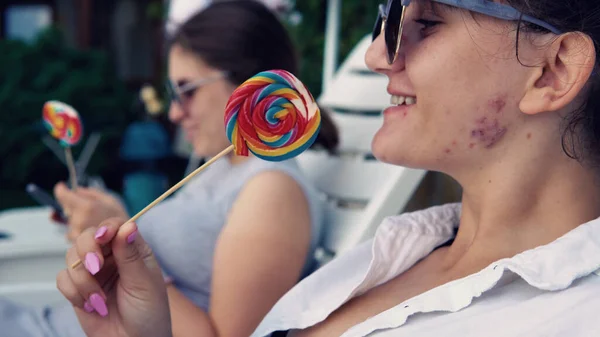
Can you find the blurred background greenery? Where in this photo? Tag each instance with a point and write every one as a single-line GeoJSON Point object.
{"type": "Point", "coordinates": [357, 20]}
{"type": "Point", "coordinates": [44, 70]}
{"type": "Point", "coordinates": [85, 76]}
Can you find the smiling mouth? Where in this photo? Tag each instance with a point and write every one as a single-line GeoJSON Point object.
{"type": "Point", "coordinates": [403, 100]}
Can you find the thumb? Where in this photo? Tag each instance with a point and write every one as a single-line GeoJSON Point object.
{"type": "Point", "coordinates": [65, 197]}
{"type": "Point", "coordinates": [138, 269]}
{"type": "Point", "coordinates": [95, 194]}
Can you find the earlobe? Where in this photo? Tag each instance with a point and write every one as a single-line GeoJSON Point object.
{"type": "Point", "coordinates": [567, 66]}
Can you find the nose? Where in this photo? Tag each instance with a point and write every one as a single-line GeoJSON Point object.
{"type": "Point", "coordinates": [376, 56]}
{"type": "Point", "coordinates": [176, 113]}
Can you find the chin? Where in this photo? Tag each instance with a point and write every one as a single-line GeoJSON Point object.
{"type": "Point", "coordinates": [208, 149]}
{"type": "Point", "coordinates": [385, 151]}
{"type": "Point", "coordinates": [394, 151]}
{"type": "Point", "coordinates": [201, 151]}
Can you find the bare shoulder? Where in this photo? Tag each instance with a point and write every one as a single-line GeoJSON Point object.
{"type": "Point", "coordinates": [272, 201]}
{"type": "Point", "coordinates": [273, 181]}
{"type": "Point", "coordinates": [273, 185]}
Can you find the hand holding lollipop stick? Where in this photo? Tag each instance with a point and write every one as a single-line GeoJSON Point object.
{"type": "Point", "coordinates": [272, 115]}
{"type": "Point", "coordinates": [64, 124]}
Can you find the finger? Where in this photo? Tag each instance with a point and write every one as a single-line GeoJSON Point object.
{"type": "Point", "coordinates": [73, 234]}
{"type": "Point", "coordinates": [89, 251]}
{"type": "Point", "coordinates": [68, 289]}
{"type": "Point", "coordinates": [108, 275]}
{"type": "Point", "coordinates": [138, 269]}
{"type": "Point", "coordinates": [95, 194]}
{"type": "Point", "coordinates": [92, 244]}
{"type": "Point", "coordinates": [65, 197]}
{"type": "Point", "coordinates": [107, 230]}
{"type": "Point", "coordinates": [87, 286]}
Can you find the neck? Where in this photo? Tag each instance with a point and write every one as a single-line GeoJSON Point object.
{"type": "Point", "coordinates": [527, 204]}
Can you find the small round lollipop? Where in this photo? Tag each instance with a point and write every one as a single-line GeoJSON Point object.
{"type": "Point", "coordinates": [272, 115]}
{"type": "Point", "coordinates": [64, 124]}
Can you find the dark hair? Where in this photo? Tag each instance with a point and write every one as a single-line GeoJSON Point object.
{"type": "Point", "coordinates": [243, 38]}
{"type": "Point", "coordinates": [581, 129]}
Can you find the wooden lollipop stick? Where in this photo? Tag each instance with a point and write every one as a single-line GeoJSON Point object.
{"type": "Point", "coordinates": [173, 189]}
{"type": "Point", "coordinates": [71, 166]}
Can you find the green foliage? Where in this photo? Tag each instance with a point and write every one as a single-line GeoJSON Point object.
{"type": "Point", "coordinates": [357, 19]}
{"type": "Point", "coordinates": [49, 70]}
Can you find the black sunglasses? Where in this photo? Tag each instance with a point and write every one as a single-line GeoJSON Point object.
{"type": "Point", "coordinates": [390, 20]}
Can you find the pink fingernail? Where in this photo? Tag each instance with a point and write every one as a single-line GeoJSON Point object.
{"type": "Point", "coordinates": [98, 304]}
{"type": "Point", "coordinates": [100, 232]}
{"type": "Point", "coordinates": [131, 237]}
{"type": "Point", "coordinates": [92, 263]}
{"type": "Point", "coordinates": [87, 307]}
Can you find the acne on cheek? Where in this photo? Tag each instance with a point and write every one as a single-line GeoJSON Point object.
{"type": "Point", "coordinates": [497, 104]}
{"type": "Point", "coordinates": [488, 130]}
{"type": "Point", "coordinates": [449, 150]}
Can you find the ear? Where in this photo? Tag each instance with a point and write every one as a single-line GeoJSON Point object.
{"type": "Point", "coordinates": [567, 65]}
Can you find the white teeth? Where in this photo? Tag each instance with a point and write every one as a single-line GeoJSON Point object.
{"type": "Point", "coordinates": [399, 100]}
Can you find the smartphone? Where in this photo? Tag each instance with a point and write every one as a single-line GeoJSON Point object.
{"type": "Point", "coordinates": [43, 198]}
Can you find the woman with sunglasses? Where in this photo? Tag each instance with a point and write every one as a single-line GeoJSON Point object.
{"type": "Point", "coordinates": [504, 97]}
{"type": "Point", "coordinates": [234, 239]}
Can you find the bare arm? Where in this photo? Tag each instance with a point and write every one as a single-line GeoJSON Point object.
{"type": "Point", "coordinates": [187, 319]}
{"type": "Point", "coordinates": [260, 253]}
{"type": "Point", "coordinates": [259, 256]}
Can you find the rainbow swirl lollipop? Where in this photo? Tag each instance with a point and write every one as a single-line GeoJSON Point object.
{"type": "Point", "coordinates": [63, 122]}
{"type": "Point", "coordinates": [273, 116]}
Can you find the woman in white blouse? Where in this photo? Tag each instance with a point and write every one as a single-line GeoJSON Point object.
{"type": "Point", "coordinates": [509, 106]}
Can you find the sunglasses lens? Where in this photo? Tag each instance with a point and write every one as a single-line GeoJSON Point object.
{"type": "Point", "coordinates": [172, 92]}
{"type": "Point", "coordinates": [377, 27]}
{"type": "Point", "coordinates": [392, 29]}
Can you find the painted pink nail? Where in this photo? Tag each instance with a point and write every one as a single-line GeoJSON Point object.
{"type": "Point", "coordinates": [87, 307]}
{"type": "Point", "coordinates": [100, 232]}
{"type": "Point", "coordinates": [92, 263]}
{"type": "Point", "coordinates": [131, 237]}
{"type": "Point", "coordinates": [98, 304]}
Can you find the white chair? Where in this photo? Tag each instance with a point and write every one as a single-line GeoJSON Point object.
{"type": "Point", "coordinates": [361, 190]}
{"type": "Point", "coordinates": [356, 97]}
{"type": "Point", "coordinates": [32, 252]}
{"type": "Point", "coordinates": [33, 294]}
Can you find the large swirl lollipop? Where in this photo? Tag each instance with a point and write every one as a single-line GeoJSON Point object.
{"type": "Point", "coordinates": [272, 115]}
{"type": "Point", "coordinates": [64, 124]}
